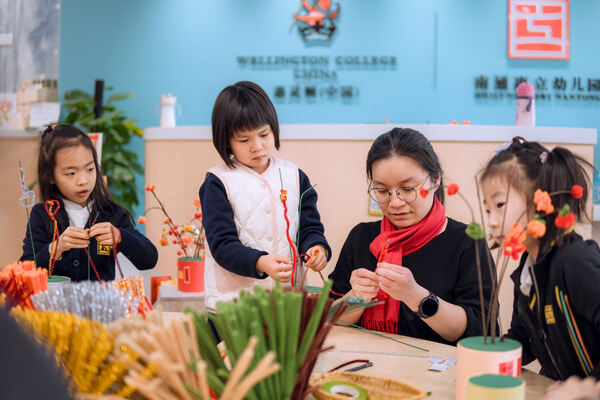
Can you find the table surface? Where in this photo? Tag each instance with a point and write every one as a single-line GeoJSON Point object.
{"type": "Point", "coordinates": [410, 365]}
{"type": "Point", "coordinates": [402, 362]}
{"type": "Point", "coordinates": [172, 300]}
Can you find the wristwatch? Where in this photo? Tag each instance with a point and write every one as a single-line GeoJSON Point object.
{"type": "Point", "coordinates": [428, 306]}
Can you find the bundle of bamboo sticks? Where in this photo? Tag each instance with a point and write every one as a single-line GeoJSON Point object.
{"type": "Point", "coordinates": [164, 361]}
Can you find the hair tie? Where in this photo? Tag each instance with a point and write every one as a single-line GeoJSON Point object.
{"type": "Point", "coordinates": [503, 147]}
{"type": "Point", "coordinates": [544, 157]}
{"type": "Point", "coordinates": [50, 129]}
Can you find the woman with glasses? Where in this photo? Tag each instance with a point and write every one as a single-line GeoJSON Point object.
{"type": "Point", "coordinates": [418, 262]}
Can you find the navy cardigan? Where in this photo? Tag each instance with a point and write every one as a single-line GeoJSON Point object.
{"type": "Point", "coordinates": [222, 236]}
{"type": "Point", "coordinates": [74, 263]}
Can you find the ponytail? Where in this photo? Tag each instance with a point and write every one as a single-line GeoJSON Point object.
{"type": "Point", "coordinates": [528, 166]}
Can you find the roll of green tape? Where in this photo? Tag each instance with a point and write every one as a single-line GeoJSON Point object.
{"type": "Point", "coordinates": [347, 389]}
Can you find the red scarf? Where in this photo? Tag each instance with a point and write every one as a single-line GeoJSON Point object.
{"type": "Point", "coordinates": [384, 317]}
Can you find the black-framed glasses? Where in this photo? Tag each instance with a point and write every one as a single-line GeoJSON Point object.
{"type": "Point", "coordinates": [406, 194]}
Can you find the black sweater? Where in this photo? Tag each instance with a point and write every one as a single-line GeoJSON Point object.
{"type": "Point", "coordinates": [74, 263]}
{"type": "Point", "coordinates": [573, 270]}
{"type": "Point", "coordinates": [446, 266]}
{"type": "Point", "coordinates": [222, 236]}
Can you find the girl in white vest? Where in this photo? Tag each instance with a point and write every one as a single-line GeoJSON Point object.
{"type": "Point", "coordinates": [242, 212]}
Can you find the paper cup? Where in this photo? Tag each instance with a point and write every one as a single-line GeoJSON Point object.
{"type": "Point", "coordinates": [56, 281]}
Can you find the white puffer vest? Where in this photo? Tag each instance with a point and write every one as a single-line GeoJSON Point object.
{"type": "Point", "coordinates": [258, 215]}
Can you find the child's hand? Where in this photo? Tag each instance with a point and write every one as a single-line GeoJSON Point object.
{"type": "Point", "coordinates": [317, 258]}
{"type": "Point", "coordinates": [364, 283]}
{"type": "Point", "coordinates": [72, 238]}
{"type": "Point", "coordinates": [275, 266]}
{"type": "Point", "coordinates": [104, 232]}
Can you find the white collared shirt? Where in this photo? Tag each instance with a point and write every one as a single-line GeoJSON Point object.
{"type": "Point", "coordinates": [526, 281]}
{"type": "Point", "coordinates": [78, 215]}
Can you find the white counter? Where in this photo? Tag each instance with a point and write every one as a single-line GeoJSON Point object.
{"type": "Point", "coordinates": [452, 133]}
{"type": "Point", "coordinates": [18, 133]}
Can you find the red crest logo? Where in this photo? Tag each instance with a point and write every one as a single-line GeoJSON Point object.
{"type": "Point", "coordinates": [316, 19]}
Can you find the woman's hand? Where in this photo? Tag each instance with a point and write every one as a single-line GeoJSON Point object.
{"type": "Point", "coordinates": [275, 266]}
{"type": "Point", "coordinates": [319, 261]}
{"type": "Point", "coordinates": [71, 238]}
{"type": "Point", "coordinates": [104, 233]}
{"type": "Point", "coordinates": [400, 284]}
{"type": "Point", "coordinates": [364, 284]}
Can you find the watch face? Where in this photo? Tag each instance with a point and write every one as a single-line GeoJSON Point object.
{"type": "Point", "coordinates": [429, 306]}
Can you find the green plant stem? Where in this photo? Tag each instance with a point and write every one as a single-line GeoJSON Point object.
{"type": "Point", "coordinates": [468, 205]}
{"type": "Point", "coordinates": [27, 213]}
{"type": "Point", "coordinates": [493, 314]}
{"type": "Point", "coordinates": [480, 284]}
{"type": "Point", "coordinates": [478, 261]}
{"type": "Point", "coordinates": [30, 235]}
{"type": "Point", "coordinates": [313, 322]}
{"type": "Point", "coordinates": [300, 213]}
{"type": "Point", "coordinates": [349, 324]}
{"type": "Point", "coordinates": [493, 306]}
{"type": "Point", "coordinates": [489, 261]}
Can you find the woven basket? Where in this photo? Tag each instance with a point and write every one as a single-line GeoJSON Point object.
{"type": "Point", "coordinates": [376, 387]}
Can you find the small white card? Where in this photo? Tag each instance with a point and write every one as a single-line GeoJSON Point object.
{"type": "Point", "coordinates": [449, 362]}
{"type": "Point", "coordinates": [44, 113]}
{"type": "Point", "coordinates": [436, 360]}
{"type": "Point", "coordinates": [438, 367]}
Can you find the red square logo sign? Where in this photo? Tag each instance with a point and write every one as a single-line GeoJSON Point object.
{"type": "Point", "coordinates": [538, 29]}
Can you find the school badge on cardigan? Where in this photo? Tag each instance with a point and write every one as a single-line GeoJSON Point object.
{"type": "Point", "coordinates": [104, 249]}
{"type": "Point", "coordinates": [549, 314]}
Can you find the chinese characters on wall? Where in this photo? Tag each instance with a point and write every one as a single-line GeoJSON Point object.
{"type": "Point", "coordinates": [317, 79]}
{"type": "Point", "coordinates": [547, 88]}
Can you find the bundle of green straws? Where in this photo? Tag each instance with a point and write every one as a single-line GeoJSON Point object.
{"type": "Point", "coordinates": [290, 322]}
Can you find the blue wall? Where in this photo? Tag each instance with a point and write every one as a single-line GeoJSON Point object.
{"type": "Point", "coordinates": [189, 48]}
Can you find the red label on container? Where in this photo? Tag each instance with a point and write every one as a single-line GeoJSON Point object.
{"type": "Point", "coordinates": [505, 368]}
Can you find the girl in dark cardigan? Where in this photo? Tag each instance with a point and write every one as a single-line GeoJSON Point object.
{"type": "Point", "coordinates": [87, 216]}
{"type": "Point", "coordinates": [556, 313]}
